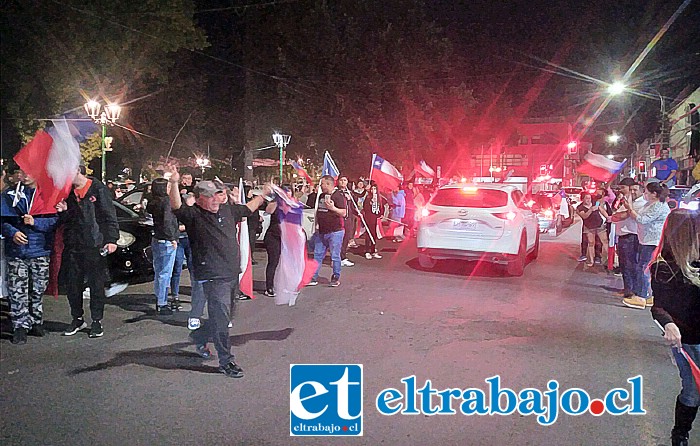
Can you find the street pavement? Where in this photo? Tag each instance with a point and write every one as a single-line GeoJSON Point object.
{"type": "Point", "coordinates": [142, 383]}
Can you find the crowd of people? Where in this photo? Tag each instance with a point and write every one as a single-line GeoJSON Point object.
{"type": "Point", "coordinates": [658, 251]}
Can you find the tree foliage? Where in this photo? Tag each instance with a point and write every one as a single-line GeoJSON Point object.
{"type": "Point", "coordinates": [55, 50]}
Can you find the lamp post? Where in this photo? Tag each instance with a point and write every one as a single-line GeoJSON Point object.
{"type": "Point", "coordinates": [281, 141]}
{"type": "Point", "coordinates": [109, 115]}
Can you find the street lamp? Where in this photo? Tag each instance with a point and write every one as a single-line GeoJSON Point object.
{"type": "Point", "coordinates": [616, 88]}
{"type": "Point", "coordinates": [281, 141]}
{"type": "Point", "coordinates": [203, 163]}
{"type": "Point", "coordinates": [614, 138]}
{"type": "Point", "coordinates": [108, 116]}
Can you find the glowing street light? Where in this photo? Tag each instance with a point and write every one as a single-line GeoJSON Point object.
{"type": "Point", "coordinates": [281, 141]}
{"type": "Point", "coordinates": [611, 156]}
{"type": "Point", "coordinates": [616, 88]}
{"type": "Point", "coordinates": [614, 138]}
{"type": "Point", "coordinates": [106, 117]}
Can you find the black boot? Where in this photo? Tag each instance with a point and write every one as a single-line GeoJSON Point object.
{"type": "Point", "coordinates": [685, 416]}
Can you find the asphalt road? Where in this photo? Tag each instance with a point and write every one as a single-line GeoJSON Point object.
{"type": "Point", "coordinates": [143, 384]}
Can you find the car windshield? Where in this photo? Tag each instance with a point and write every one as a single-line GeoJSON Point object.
{"type": "Point", "coordinates": [124, 212]}
{"type": "Point", "coordinates": [544, 201]}
{"type": "Point", "coordinates": [470, 197]}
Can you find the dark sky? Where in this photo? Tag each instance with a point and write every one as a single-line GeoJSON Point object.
{"type": "Point", "coordinates": [597, 38]}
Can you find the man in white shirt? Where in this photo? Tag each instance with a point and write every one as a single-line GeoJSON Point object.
{"type": "Point", "coordinates": [626, 230]}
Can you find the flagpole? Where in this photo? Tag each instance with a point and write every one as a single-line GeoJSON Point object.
{"type": "Point", "coordinates": [371, 166]}
{"type": "Point", "coordinates": [362, 218]}
{"type": "Point", "coordinates": [31, 203]}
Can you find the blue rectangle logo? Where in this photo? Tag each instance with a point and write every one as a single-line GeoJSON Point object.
{"type": "Point", "coordinates": [325, 400]}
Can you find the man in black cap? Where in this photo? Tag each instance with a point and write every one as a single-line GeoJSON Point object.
{"type": "Point", "coordinates": [211, 228]}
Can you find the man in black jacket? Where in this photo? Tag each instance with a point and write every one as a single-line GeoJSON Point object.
{"type": "Point", "coordinates": [212, 230]}
{"type": "Point", "coordinates": [91, 232]}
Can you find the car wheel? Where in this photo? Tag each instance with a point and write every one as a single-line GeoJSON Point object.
{"type": "Point", "coordinates": [517, 267]}
{"type": "Point", "coordinates": [425, 261]}
{"type": "Point", "coordinates": [536, 250]}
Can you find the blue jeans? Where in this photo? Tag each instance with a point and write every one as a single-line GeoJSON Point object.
{"type": "Point", "coordinates": [163, 261]}
{"type": "Point", "coordinates": [627, 250]}
{"type": "Point", "coordinates": [642, 276]}
{"type": "Point", "coordinates": [184, 251]}
{"type": "Point", "coordinates": [689, 395]}
{"type": "Point", "coordinates": [324, 242]}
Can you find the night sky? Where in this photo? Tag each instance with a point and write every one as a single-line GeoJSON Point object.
{"type": "Point", "coordinates": [501, 50]}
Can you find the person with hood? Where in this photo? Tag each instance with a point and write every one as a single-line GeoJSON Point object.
{"type": "Point", "coordinates": [398, 212]}
{"type": "Point", "coordinates": [28, 244]}
{"type": "Point", "coordinates": [90, 234]}
{"type": "Point", "coordinates": [163, 244]}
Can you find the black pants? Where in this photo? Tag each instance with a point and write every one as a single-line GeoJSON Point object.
{"type": "Point", "coordinates": [350, 226]}
{"type": "Point", "coordinates": [81, 265]}
{"type": "Point", "coordinates": [253, 225]}
{"type": "Point", "coordinates": [218, 294]}
{"type": "Point", "coordinates": [371, 221]}
{"type": "Point", "coordinates": [584, 245]}
{"type": "Point", "coordinates": [273, 246]}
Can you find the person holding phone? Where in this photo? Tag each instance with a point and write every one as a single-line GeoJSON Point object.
{"type": "Point", "coordinates": [594, 218]}
{"type": "Point", "coordinates": [330, 225]}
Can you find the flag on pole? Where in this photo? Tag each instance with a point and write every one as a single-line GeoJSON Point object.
{"type": "Point", "coordinates": [694, 369]}
{"type": "Point", "coordinates": [424, 170]}
{"type": "Point", "coordinates": [329, 167]}
{"type": "Point", "coordinates": [301, 171]}
{"type": "Point", "coordinates": [245, 277]}
{"type": "Point", "coordinates": [295, 269]}
{"type": "Point", "coordinates": [599, 167]}
{"type": "Point", "coordinates": [52, 158]}
{"type": "Point", "coordinates": [385, 174]}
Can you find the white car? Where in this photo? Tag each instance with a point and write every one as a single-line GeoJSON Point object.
{"type": "Point", "coordinates": [485, 221]}
{"type": "Point", "coordinates": [307, 224]}
{"type": "Point", "coordinates": [574, 194]}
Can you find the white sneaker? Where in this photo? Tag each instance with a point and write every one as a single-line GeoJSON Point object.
{"type": "Point", "coordinates": [115, 288]}
{"type": "Point", "coordinates": [346, 262]}
{"type": "Point", "coordinates": [377, 255]}
{"type": "Point", "coordinates": [193, 323]}
{"type": "Point", "coordinates": [368, 256]}
{"type": "Point", "coordinates": [230, 325]}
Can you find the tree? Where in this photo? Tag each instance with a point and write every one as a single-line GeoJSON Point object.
{"type": "Point", "coordinates": [55, 50]}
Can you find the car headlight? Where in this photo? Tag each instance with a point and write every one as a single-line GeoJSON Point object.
{"type": "Point", "coordinates": [125, 239]}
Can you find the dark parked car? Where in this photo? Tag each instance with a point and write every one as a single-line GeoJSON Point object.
{"type": "Point", "coordinates": [132, 262]}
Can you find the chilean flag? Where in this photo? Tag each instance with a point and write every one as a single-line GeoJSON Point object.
{"type": "Point", "coordinates": [424, 170]}
{"type": "Point", "coordinates": [384, 173]}
{"type": "Point", "coordinates": [295, 269]}
{"type": "Point", "coordinates": [329, 167]}
{"type": "Point", "coordinates": [52, 158]}
{"type": "Point", "coordinates": [301, 171]}
{"type": "Point", "coordinates": [245, 278]}
{"type": "Point", "coordinates": [599, 167]}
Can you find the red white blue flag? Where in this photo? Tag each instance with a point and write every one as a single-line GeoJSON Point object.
{"type": "Point", "coordinates": [385, 174]}
{"type": "Point", "coordinates": [424, 170]}
{"type": "Point", "coordinates": [295, 269]}
{"type": "Point", "coordinates": [52, 158]}
{"type": "Point", "coordinates": [245, 278]}
{"type": "Point", "coordinates": [599, 167]}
